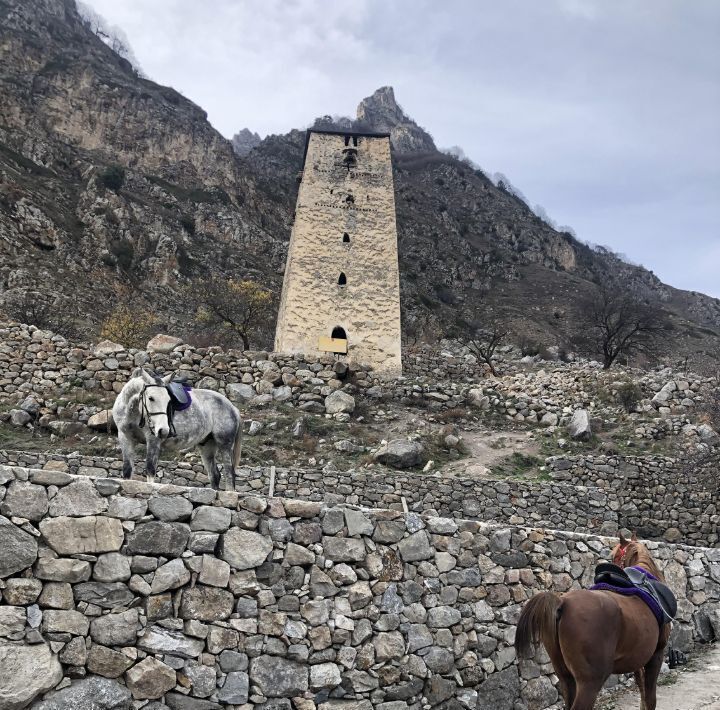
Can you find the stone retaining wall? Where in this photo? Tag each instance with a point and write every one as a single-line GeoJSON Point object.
{"type": "Point", "coordinates": [659, 499]}
{"type": "Point", "coordinates": [201, 600]}
{"type": "Point", "coordinates": [588, 494]}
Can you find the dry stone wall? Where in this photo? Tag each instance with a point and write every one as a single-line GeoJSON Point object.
{"type": "Point", "coordinates": [44, 365]}
{"type": "Point", "coordinates": [658, 498]}
{"type": "Point", "coordinates": [192, 598]}
{"type": "Point", "coordinates": [587, 494]}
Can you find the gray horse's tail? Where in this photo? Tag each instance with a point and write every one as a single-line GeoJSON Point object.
{"type": "Point", "coordinates": [237, 452]}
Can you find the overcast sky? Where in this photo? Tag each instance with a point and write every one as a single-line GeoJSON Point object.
{"type": "Point", "coordinates": [605, 112]}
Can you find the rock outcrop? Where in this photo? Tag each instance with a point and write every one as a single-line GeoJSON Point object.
{"type": "Point", "coordinates": [382, 112]}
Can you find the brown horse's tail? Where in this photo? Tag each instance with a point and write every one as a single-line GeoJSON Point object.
{"type": "Point", "coordinates": [236, 452]}
{"type": "Point", "coordinates": [539, 623]}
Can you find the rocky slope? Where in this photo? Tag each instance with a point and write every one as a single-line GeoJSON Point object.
{"type": "Point", "coordinates": [109, 179]}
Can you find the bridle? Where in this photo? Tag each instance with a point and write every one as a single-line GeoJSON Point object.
{"type": "Point", "coordinates": [619, 558]}
{"type": "Point", "coordinates": [147, 415]}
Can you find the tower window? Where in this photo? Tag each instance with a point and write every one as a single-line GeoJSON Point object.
{"type": "Point", "coordinates": [354, 141]}
{"type": "Point", "coordinates": [346, 238]}
{"type": "Point", "coordinates": [350, 200]}
{"type": "Point", "coordinates": [347, 140]}
{"type": "Point", "coordinates": [342, 279]}
{"type": "Point", "coordinates": [339, 332]}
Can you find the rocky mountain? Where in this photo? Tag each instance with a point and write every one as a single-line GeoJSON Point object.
{"type": "Point", "coordinates": [244, 141]}
{"type": "Point", "coordinates": [110, 182]}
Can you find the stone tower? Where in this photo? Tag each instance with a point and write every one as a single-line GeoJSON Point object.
{"type": "Point", "coordinates": [341, 292]}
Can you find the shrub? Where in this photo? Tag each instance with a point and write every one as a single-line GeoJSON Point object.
{"type": "Point", "coordinates": [628, 395]}
{"type": "Point", "coordinates": [113, 177]}
{"type": "Point", "coordinates": [129, 326]}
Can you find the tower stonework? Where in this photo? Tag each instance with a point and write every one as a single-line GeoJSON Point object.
{"type": "Point", "coordinates": [341, 291]}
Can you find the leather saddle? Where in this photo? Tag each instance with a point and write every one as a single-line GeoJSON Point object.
{"type": "Point", "coordinates": [607, 573]}
{"type": "Point", "coordinates": [179, 394]}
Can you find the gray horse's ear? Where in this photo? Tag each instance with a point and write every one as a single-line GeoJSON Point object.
{"type": "Point", "coordinates": [137, 372]}
{"type": "Point", "coordinates": [167, 379]}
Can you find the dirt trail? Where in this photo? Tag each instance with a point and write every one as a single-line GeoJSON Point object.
{"type": "Point", "coordinates": [696, 687]}
{"type": "Point", "coordinates": [488, 448]}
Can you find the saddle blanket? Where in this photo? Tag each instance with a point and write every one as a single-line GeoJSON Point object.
{"type": "Point", "coordinates": [637, 592]}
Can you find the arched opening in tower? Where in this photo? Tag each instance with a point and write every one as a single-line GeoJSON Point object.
{"type": "Point", "coordinates": [346, 238]}
{"type": "Point", "coordinates": [339, 333]}
{"type": "Point", "coordinates": [342, 279]}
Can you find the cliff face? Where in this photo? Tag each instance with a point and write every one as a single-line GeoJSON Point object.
{"type": "Point", "coordinates": [382, 113]}
{"type": "Point", "coordinates": [109, 179]}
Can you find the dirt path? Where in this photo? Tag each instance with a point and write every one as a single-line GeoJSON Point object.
{"type": "Point", "coordinates": [696, 687]}
{"type": "Point", "coordinates": [488, 448]}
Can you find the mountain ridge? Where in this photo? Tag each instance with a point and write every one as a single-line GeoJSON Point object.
{"type": "Point", "coordinates": [186, 206]}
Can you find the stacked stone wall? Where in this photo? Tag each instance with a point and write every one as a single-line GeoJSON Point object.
{"type": "Point", "coordinates": [36, 362]}
{"type": "Point", "coordinates": [659, 497]}
{"type": "Point", "coordinates": [589, 494]}
{"type": "Point", "coordinates": [192, 598]}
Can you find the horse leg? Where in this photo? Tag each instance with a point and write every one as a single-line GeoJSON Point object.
{"type": "Point", "coordinates": [587, 692]}
{"type": "Point", "coordinates": [652, 671]}
{"type": "Point", "coordinates": [151, 459]}
{"type": "Point", "coordinates": [207, 453]}
{"type": "Point", "coordinates": [640, 682]}
{"type": "Point", "coordinates": [128, 452]}
{"type": "Point", "coordinates": [565, 677]}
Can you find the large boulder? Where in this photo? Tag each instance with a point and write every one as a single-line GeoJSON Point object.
{"type": "Point", "coordinates": [339, 402]}
{"type": "Point", "coordinates": [579, 425]}
{"type": "Point", "coordinates": [25, 673]}
{"type": "Point", "coordinates": [163, 344]}
{"type": "Point", "coordinates": [102, 421]}
{"type": "Point", "coordinates": [106, 347]}
{"type": "Point", "coordinates": [400, 453]}
{"type": "Point", "coordinates": [19, 549]}
{"type": "Point", "coordinates": [89, 694]}
{"type": "Point", "coordinates": [239, 392]}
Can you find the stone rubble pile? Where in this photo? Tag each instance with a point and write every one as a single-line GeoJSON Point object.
{"type": "Point", "coordinates": [195, 599]}
{"type": "Point", "coordinates": [38, 371]}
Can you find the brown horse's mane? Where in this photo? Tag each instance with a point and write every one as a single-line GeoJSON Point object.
{"type": "Point", "coordinates": [636, 555]}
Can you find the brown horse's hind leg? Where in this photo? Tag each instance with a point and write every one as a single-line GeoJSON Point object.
{"type": "Point", "coordinates": [640, 682]}
{"type": "Point", "coordinates": [567, 682]}
{"type": "Point", "coordinates": [587, 692]}
{"type": "Point", "coordinates": [652, 671]}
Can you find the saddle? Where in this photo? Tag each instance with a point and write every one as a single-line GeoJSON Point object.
{"type": "Point", "coordinates": [635, 581]}
{"type": "Point", "coordinates": [179, 394]}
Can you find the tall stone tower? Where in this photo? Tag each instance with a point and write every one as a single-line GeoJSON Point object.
{"type": "Point", "coordinates": [341, 292]}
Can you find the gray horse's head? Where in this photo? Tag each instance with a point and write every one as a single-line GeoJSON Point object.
{"type": "Point", "coordinates": [154, 401]}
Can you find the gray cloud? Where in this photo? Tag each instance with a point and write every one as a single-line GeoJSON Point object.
{"type": "Point", "coordinates": [605, 112]}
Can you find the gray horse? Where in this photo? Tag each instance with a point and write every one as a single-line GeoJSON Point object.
{"type": "Point", "coordinates": [210, 423]}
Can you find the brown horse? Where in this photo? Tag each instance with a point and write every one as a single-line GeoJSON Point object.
{"type": "Point", "coordinates": [590, 634]}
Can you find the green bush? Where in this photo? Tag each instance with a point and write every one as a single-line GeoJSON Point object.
{"type": "Point", "coordinates": [113, 177]}
{"type": "Point", "coordinates": [628, 395]}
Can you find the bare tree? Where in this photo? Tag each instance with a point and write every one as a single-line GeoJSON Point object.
{"type": "Point", "coordinates": [613, 322]}
{"type": "Point", "coordinates": [484, 333]}
{"type": "Point", "coordinates": [232, 309]}
{"type": "Point", "coordinates": [45, 311]}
